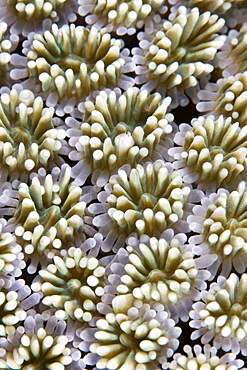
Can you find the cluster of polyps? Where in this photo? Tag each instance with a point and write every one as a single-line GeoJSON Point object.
{"type": "Point", "coordinates": [109, 273]}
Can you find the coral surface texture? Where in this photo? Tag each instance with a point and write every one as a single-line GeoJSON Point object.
{"type": "Point", "coordinates": [123, 185]}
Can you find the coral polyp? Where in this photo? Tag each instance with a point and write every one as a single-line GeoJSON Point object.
{"type": "Point", "coordinates": [116, 130]}
{"type": "Point", "coordinates": [142, 200]}
{"type": "Point", "coordinates": [223, 314]}
{"type": "Point", "coordinates": [34, 9]}
{"type": "Point", "coordinates": [73, 285]}
{"type": "Point", "coordinates": [49, 213]}
{"type": "Point", "coordinates": [232, 58]}
{"type": "Point", "coordinates": [216, 7]}
{"type": "Point", "coordinates": [147, 199]}
{"type": "Point", "coordinates": [227, 97]}
{"type": "Point", "coordinates": [165, 272]}
{"type": "Point", "coordinates": [206, 357]}
{"type": "Point", "coordinates": [29, 138]}
{"type": "Point", "coordinates": [36, 348]}
{"type": "Point", "coordinates": [11, 313]}
{"type": "Point", "coordinates": [213, 151]}
{"type": "Point", "coordinates": [222, 224]}
{"type": "Point", "coordinates": [8, 251]}
{"type": "Point", "coordinates": [134, 336]}
{"type": "Point", "coordinates": [24, 16]}
{"type": "Point", "coordinates": [120, 16]}
{"type": "Point", "coordinates": [179, 54]}
{"type": "Point", "coordinates": [69, 63]}
{"type": "Point", "coordinates": [7, 45]}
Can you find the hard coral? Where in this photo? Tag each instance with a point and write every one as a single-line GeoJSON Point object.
{"type": "Point", "coordinates": [67, 64]}
{"type": "Point", "coordinates": [101, 257]}
{"type": "Point", "coordinates": [179, 54]}
{"type": "Point", "coordinates": [24, 16]}
{"type": "Point", "coordinates": [221, 221]}
{"type": "Point", "coordinates": [227, 97]}
{"type": "Point", "coordinates": [232, 58]}
{"type": "Point", "coordinates": [35, 346]}
{"type": "Point", "coordinates": [119, 129]}
{"type": "Point", "coordinates": [206, 357]}
{"type": "Point", "coordinates": [73, 285]}
{"type": "Point", "coordinates": [9, 251]}
{"type": "Point", "coordinates": [216, 7]}
{"type": "Point", "coordinates": [8, 44]}
{"type": "Point", "coordinates": [213, 152]}
{"type": "Point", "coordinates": [135, 336]}
{"type": "Point", "coordinates": [49, 214]}
{"type": "Point", "coordinates": [163, 271]}
{"type": "Point", "coordinates": [147, 199]}
{"type": "Point", "coordinates": [120, 16]}
{"type": "Point", "coordinates": [142, 200]}
{"type": "Point", "coordinates": [223, 315]}
{"type": "Point", "coordinates": [29, 138]}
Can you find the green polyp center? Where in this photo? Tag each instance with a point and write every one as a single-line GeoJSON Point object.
{"type": "Point", "coordinates": [49, 217]}
{"type": "Point", "coordinates": [237, 309]}
{"type": "Point", "coordinates": [121, 128]}
{"type": "Point", "coordinates": [31, 367]}
{"type": "Point", "coordinates": [74, 286]}
{"type": "Point", "coordinates": [73, 62]}
{"type": "Point", "coordinates": [147, 201]}
{"type": "Point", "coordinates": [36, 363]}
{"type": "Point", "coordinates": [179, 54]}
{"type": "Point", "coordinates": [156, 275]}
{"type": "Point", "coordinates": [214, 150]}
{"type": "Point", "coordinates": [128, 126]}
{"type": "Point", "coordinates": [232, 224]}
{"type": "Point", "coordinates": [21, 134]}
{"type": "Point", "coordinates": [128, 341]}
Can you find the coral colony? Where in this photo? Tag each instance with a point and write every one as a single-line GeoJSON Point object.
{"type": "Point", "coordinates": [123, 184]}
